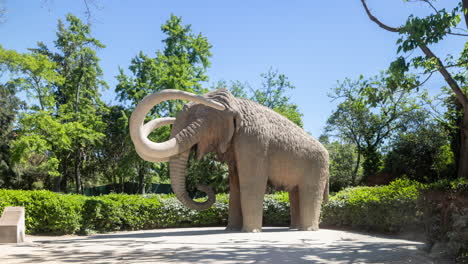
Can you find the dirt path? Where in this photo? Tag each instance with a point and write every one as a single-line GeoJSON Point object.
{"type": "Point", "coordinates": [214, 245]}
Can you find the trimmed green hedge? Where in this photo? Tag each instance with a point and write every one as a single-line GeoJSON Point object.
{"type": "Point", "coordinates": [441, 207]}
{"type": "Point", "coordinates": [119, 212]}
{"type": "Point", "coordinates": [58, 214]}
{"type": "Point", "coordinates": [386, 208]}
{"type": "Point", "coordinates": [46, 212]}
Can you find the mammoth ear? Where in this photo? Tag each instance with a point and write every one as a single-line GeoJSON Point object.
{"type": "Point", "coordinates": [232, 127]}
{"type": "Point", "coordinates": [231, 112]}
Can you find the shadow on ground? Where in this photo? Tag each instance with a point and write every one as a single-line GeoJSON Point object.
{"type": "Point", "coordinates": [204, 246]}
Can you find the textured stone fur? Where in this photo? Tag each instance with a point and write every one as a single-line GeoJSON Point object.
{"type": "Point", "coordinates": [259, 145]}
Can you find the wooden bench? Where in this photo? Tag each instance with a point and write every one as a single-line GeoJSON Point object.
{"type": "Point", "coordinates": [12, 225]}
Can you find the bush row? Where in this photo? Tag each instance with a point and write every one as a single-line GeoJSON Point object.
{"type": "Point", "coordinates": [441, 207]}
{"type": "Point", "coordinates": [58, 214]}
{"type": "Point", "coordinates": [386, 208]}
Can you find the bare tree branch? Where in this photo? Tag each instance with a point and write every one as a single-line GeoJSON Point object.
{"type": "Point", "coordinates": [457, 34]}
{"type": "Point", "coordinates": [380, 24]}
{"type": "Point", "coordinates": [88, 11]}
{"type": "Point", "coordinates": [2, 11]}
{"type": "Point", "coordinates": [423, 82]}
{"type": "Point", "coordinates": [431, 5]}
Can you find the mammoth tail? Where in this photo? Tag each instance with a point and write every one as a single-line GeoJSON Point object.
{"type": "Point", "coordinates": [326, 190]}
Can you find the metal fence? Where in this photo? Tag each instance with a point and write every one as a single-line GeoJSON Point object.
{"type": "Point", "coordinates": [128, 188]}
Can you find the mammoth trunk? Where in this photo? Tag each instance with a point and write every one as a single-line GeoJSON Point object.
{"type": "Point", "coordinates": [178, 166]}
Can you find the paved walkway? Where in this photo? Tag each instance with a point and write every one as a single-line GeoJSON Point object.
{"type": "Point", "coordinates": [214, 245]}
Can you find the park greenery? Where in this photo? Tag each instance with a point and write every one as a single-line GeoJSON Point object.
{"type": "Point", "coordinates": [64, 137]}
{"type": "Point", "coordinates": [401, 205]}
{"type": "Point", "coordinates": [388, 208]}
{"type": "Point", "coordinates": [58, 136]}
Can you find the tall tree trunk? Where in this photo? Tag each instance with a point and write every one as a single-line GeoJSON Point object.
{"type": "Point", "coordinates": [78, 153]}
{"type": "Point", "coordinates": [78, 188]}
{"type": "Point", "coordinates": [63, 183]}
{"type": "Point", "coordinates": [356, 168]}
{"type": "Point", "coordinates": [465, 11]}
{"type": "Point", "coordinates": [371, 164]}
{"type": "Point", "coordinates": [463, 159]}
{"type": "Point", "coordinates": [141, 181]}
{"type": "Point", "coordinates": [64, 172]}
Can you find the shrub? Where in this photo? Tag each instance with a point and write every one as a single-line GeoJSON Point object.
{"type": "Point", "coordinates": [175, 214]}
{"type": "Point", "coordinates": [217, 215]}
{"type": "Point", "coordinates": [53, 213]}
{"type": "Point", "coordinates": [46, 212]}
{"type": "Point", "coordinates": [276, 209]}
{"type": "Point", "coordinates": [384, 208]}
{"type": "Point", "coordinates": [120, 212]}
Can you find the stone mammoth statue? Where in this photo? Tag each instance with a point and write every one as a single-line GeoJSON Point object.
{"type": "Point", "coordinates": [258, 145]}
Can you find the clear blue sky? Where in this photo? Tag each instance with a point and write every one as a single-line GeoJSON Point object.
{"type": "Point", "coordinates": [315, 43]}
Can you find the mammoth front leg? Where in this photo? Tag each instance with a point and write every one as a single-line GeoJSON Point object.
{"type": "Point", "coordinates": [252, 183]}
{"type": "Point", "coordinates": [235, 212]}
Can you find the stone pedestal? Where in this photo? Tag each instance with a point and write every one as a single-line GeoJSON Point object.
{"type": "Point", "coordinates": [12, 225]}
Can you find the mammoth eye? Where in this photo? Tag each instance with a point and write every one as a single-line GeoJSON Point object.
{"type": "Point", "coordinates": [185, 107]}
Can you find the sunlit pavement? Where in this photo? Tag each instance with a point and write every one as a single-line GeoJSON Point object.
{"type": "Point", "coordinates": [214, 245]}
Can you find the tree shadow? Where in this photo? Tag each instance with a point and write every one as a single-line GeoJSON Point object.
{"type": "Point", "coordinates": [162, 233]}
{"type": "Point", "coordinates": [133, 248]}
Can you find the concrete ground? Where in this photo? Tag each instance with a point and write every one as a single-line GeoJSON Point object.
{"type": "Point", "coordinates": [214, 245]}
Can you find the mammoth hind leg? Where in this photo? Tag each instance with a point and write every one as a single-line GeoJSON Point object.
{"type": "Point", "coordinates": [310, 199]}
{"type": "Point", "coordinates": [294, 207]}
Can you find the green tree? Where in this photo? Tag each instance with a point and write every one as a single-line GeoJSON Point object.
{"type": "Point", "coordinates": [33, 73]}
{"type": "Point", "coordinates": [180, 65]}
{"type": "Point", "coordinates": [35, 152]}
{"type": "Point", "coordinates": [236, 88]}
{"type": "Point", "coordinates": [37, 131]}
{"type": "Point", "coordinates": [77, 97]}
{"type": "Point", "coordinates": [65, 126]}
{"type": "Point", "coordinates": [116, 159]}
{"type": "Point", "coordinates": [451, 121]}
{"type": "Point", "coordinates": [9, 107]}
{"type": "Point", "coordinates": [370, 112]}
{"type": "Point", "coordinates": [272, 94]}
{"type": "Point", "coordinates": [419, 33]}
{"type": "Point", "coordinates": [422, 154]}
{"type": "Point", "coordinates": [343, 159]}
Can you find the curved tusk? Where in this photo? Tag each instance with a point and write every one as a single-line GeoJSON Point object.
{"type": "Point", "coordinates": [150, 127]}
{"type": "Point", "coordinates": [156, 123]}
{"type": "Point", "coordinates": [147, 149]}
{"type": "Point", "coordinates": [151, 159]}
